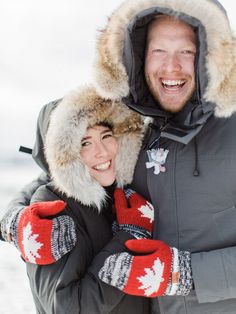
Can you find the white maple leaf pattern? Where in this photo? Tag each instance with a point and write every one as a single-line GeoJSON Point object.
{"type": "Point", "coordinates": [147, 211]}
{"type": "Point", "coordinates": [153, 278]}
{"type": "Point", "coordinates": [30, 244]}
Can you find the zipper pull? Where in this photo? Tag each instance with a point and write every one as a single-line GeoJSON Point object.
{"type": "Point", "coordinates": [160, 128]}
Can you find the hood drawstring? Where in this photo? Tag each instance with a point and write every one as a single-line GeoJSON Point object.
{"type": "Point", "coordinates": [196, 171]}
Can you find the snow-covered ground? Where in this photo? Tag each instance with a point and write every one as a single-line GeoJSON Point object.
{"type": "Point", "coordinates": [15, 295]}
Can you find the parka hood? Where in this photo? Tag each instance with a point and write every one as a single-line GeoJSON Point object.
{"type": "Point", "coordinates": [61, 131]}
{"type": "Point", "coordinates": [119, 64]}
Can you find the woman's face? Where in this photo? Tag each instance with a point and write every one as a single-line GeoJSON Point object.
{"type": "Point", "coordinates": [98, 152]}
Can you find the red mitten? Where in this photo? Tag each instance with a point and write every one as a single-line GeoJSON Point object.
{"type": "Point", "coordinates": [140, 213]}
{"type": "Point", "coordinates": [156, 269]}
{"type": "Point", "coordinates": [43, 241]}
{"type": "Point", "coordinates": [143, 275]}
{"type": "Point", "coordinates": [149, 274]}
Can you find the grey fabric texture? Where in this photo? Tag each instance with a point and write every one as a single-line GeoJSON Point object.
{"type": "Point", "coordinates": [217, 279]}
{"type": "Point", "coordinates": [198, 214]}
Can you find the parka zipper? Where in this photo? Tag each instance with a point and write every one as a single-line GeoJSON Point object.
{"type": "Point", "coordinates": [161, 127]}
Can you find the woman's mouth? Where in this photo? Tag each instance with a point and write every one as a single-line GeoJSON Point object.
{"type": "Point", "coordinates": [103, 166]}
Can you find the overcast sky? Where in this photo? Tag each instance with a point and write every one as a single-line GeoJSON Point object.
{"type": "Point", "coordinates": [46, 50]}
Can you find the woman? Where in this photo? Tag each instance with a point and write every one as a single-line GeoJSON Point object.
{"type": "Point", "coordinates": [91, 145]}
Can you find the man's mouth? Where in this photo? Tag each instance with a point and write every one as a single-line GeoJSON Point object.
{"type": "Point", "coordinates": [172, 85]}
{"type": "Point", "coordinates": [104, 166]}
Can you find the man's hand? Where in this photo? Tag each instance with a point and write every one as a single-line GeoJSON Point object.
{"type": "Point", "coordinates": [155, 270]}
{"type": "Point", "coordinates": [136, 217]}
{"type": "Point", "coordinates": [43, 241]}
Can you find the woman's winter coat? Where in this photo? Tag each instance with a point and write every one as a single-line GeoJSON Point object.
{"type": "Point", "coordinates": [71, 284]}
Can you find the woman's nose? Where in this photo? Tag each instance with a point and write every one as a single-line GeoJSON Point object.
{"type": "Point", "coordinates": [101, 150]}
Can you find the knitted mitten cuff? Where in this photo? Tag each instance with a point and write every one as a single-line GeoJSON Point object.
{"type": "Point", "coordinates": [9, 225]}
{"type": "Point", "coordinates": [181, 281]}
{"type": "Point", "coordinates": [14, 229]}
{"type": "Point", "coordinates": [136, 231]}
{"type": "Point", "coordinates": [63, 237]}
{"type": "Point", "coordinates": [185, 274]}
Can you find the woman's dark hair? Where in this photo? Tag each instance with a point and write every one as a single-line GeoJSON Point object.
{"type": "Point", "coordinates": [106, 124]}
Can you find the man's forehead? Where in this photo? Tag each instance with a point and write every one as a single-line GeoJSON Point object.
{"type": "Point", "coordinates": [170, 27]}
{"type": "Point", "coordinates": [169, 19]}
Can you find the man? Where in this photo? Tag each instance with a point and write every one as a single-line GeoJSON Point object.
{"type": "Point", "coordinates": [174, 61]}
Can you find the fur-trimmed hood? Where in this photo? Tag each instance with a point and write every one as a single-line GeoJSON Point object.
{"type": "Point", "coordinates": [120, 55]}
{"type": "Point", "coordinates": [69, 121]}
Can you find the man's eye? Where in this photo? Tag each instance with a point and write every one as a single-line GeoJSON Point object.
{"type": "Point", "coordinates": [158, 51]}
{"type": "Point", "coordinates": [188, 52]}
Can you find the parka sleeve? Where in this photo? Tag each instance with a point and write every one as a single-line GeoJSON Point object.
{"type": "Point", "coordinates": [214, 274]}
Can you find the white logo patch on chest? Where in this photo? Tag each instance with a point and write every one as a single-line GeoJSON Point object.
{"type": "Point", "coordinates": [157, 159]}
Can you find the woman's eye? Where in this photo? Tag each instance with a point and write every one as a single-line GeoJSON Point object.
{"type": "Point", "coordinates": [84, 144]}
{"type": "Point", "coordinates": [108, 135]}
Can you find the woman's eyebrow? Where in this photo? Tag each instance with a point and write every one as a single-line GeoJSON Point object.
{"type": "Point", "coordinates": [102, 132]}
{"type": "Point", "coordinates": [105, 131]}
{"type": "Point", "coordinates": [85, 138]}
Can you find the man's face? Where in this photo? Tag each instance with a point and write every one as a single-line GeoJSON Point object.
{"type": "Point", "coordinates": [169, 62]}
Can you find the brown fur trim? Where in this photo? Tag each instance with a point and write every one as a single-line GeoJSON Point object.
{"type": "Point", "coordinates": [111, 77]}
{"type": "Point", "coordinates": [68, 124]}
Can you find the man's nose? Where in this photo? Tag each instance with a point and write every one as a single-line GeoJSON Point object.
{"type": "Point", "coordinates": [172, 63]}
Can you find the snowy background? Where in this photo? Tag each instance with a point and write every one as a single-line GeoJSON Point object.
{"type": "Point", "coordinates": [46, 50]}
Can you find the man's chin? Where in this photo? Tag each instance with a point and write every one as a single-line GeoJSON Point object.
{"type": "Point", "coordinates": [171, 106]}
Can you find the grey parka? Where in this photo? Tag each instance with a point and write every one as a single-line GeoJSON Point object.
{"type": "Point", "coordinates": [195, 197]}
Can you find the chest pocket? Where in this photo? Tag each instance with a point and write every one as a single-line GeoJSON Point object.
{"type": "Point", "coordinates": [225, 221]}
